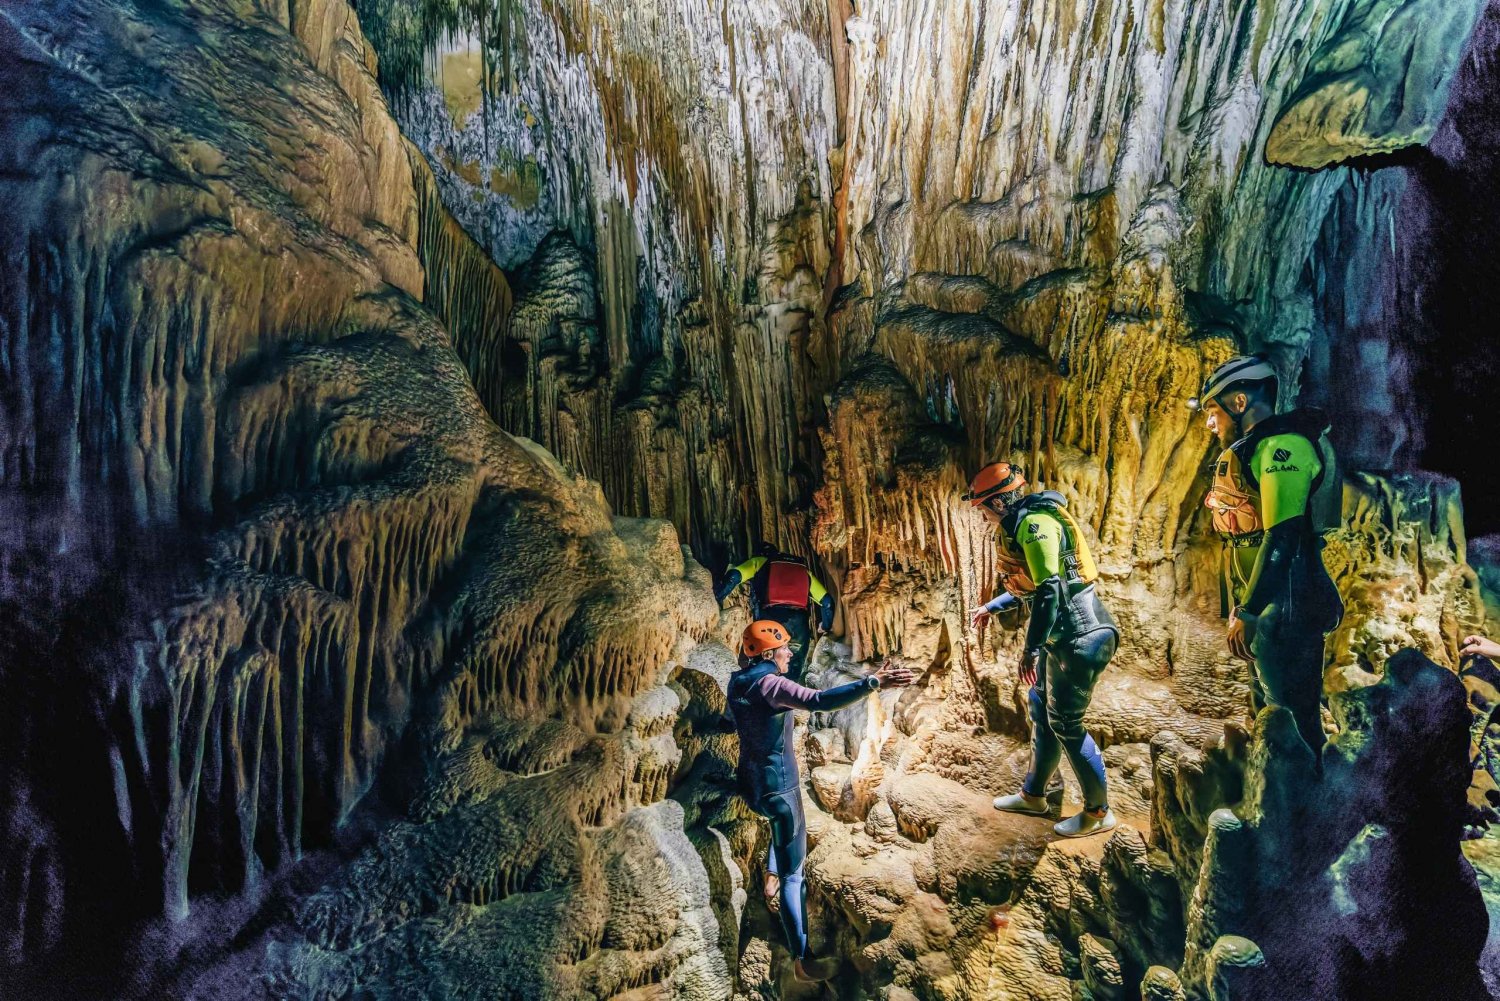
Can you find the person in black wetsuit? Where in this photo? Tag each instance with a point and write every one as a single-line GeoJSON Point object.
{"type": "Point", "coordinates": [761, 698]}
{"type": "Point", "coordinates": [1044, 559]}
{"type": "Point", "coordinates": [1276, 494]}
{"type": "Point", "coordinates": [783, 590]}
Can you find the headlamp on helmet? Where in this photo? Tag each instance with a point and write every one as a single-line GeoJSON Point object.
{"type": "Point", "coordinates": [1246, 368]}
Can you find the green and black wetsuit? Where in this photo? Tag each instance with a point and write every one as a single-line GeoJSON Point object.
{"type": "Point", "coordinates": [1276, 491]}
{"type": "Point", "coordinates": [782, 588]}
{"type": "Point", "coordinates": [1072, 631]}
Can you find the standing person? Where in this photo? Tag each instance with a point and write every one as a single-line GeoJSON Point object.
{"type": "Point", "coordinates": [1044, 558]}
{"type": "Point", "coordinates": [782, 590]}
{"type": "Point", "coordinates": [761, 698]}
{"type": "Point", "coordinates": [1276, 490]}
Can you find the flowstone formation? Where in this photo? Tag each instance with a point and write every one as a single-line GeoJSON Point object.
{"type": "Point", "coordinates": [318, 683]}
{"type": "Point", "coordinates": [315, 681]}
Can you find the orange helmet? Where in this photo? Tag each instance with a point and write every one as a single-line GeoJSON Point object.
{"type": "Point", "coordinates": [762, 637]}
{"type": "Point", "coordinates": [994, 481]}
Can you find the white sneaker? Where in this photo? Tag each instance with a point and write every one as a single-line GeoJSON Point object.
{"type": "Point", "coordinates": [1032, 806]}
{"type": "Point", "coordinates": [1083, 824]}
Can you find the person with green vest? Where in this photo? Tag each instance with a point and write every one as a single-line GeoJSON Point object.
{"type": "Point", "coordinates": [1276, 490]}
{"type": "Point", "coordinates": [1070, 638]}
{"type": "Point", "coordinates": [782, 589]}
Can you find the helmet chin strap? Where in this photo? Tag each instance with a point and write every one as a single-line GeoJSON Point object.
{"type": "Point", "coordinates": [1236, 419]}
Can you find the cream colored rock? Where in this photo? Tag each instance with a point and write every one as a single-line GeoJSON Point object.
{"type": "Point", "coordinates": [1101, 968]}
{"type": "Point", "coordinates": [830, 786]}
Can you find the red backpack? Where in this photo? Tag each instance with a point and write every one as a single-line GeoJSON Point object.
{"type": "Point", "coordinates": [787, 584]}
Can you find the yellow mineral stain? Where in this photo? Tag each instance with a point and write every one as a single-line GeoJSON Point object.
{"type": "Point", "coordinates": [462, 79]}
{"type": "Point", "coordinates": [521, 182]}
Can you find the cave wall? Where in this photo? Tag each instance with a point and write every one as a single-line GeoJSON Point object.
{"type": "Point", "coordinates": [1041, 225]}
{"type": "Point", "coordinates": [295, 637]}
{"type": "Point", "coordinates": [1048, 220]}
{"type": "Point", "coordinates": [655, 181]}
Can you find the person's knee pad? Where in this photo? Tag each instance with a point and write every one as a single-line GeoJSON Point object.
{"type": "Point", "coordinates": [1066, 727]}
{"type": "Point", "coordinates": [1036, 707]}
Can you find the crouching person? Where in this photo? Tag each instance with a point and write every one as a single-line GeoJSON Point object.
{"type": "Point", "coordinates": [1070, 638]}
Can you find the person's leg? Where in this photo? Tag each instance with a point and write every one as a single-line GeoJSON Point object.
{"type": "Point", "coordinates": [1289, 668]}
{"type": "Point", "coordinates": [789, 848]}
{"type": "Point", "coordinates": [1070, 684]}
{"type": "Point", "coordinates": [772, 887]}
{"type": "Point", "coordinates": [1046, 752]}
{"type": "Point", "coordinates": [1257, 692]}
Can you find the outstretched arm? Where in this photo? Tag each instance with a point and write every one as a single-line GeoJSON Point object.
{"type": "Point", "coordinates": [1004, 601]}
{"type": "Point", "coordinates": [782, 693]}
{"type": "Point", "coordinates": [823, 599]}
{"type": "Point", "coordinates": [737, 576]}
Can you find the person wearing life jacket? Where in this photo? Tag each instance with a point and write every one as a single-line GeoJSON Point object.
{"type": "Point", "coordinates": [783, 590]}
{"type": "Point", "coordinates": [1070, 637]}
{"type": "Point", "coordinates": [1276, 491]}
{"type": "Point", "coordinates": [761, 700]}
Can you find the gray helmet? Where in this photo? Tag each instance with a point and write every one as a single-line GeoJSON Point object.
{"type": "Point", "coordinates": [1245, 368]}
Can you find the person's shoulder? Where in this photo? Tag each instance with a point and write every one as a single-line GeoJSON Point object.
{"type": "Point", "coordinates": [1035, 526]}
{"type": "Point", "coordinates": [1284, 452]}
{"type": "Point", "coordinates": [771, 681]}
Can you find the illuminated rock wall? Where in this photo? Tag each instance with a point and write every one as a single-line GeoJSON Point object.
{"type": "Point", "coordinates": [1047, 221]}
{"type": "Point", "coordinates": [1042, 225]}
{"type": "Point", "coordinates": [277, 587]}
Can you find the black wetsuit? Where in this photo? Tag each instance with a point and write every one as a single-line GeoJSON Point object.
{"type": "Point", "coordinates": [761, 701]}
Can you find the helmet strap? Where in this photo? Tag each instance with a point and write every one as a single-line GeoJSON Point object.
{"type": "Point", "coordinates": [1238, 419]}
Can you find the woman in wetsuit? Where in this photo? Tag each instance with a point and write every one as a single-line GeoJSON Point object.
{"type": "Point", "coordinates": [761, 698]}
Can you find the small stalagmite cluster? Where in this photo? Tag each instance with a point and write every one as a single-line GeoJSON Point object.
{"type": "Point", "coordinates": [386, 384]}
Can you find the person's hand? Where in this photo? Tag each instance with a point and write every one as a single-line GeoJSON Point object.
{"type": "Point", "coordinates": [1029, 660]}
{"type": "Point", "coordinates": [979, 618]}
{"type": "Point", "coordinates": [1479, 646]}
{"type": "Point", "coordinates": [891, 676]}
{"type": "Point", "coordinates": [1241, 635]}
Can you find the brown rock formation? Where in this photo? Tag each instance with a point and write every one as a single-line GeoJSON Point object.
{"type": "Point", "coordinates": [220, 381]}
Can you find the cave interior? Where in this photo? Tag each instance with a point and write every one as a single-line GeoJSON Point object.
{"type": "Point", "coordinates": [387, 385]}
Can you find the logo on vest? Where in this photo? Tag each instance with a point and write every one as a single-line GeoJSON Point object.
{"type": "Point", "coordinates": [1281, 455]}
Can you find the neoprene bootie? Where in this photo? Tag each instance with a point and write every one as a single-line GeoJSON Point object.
{"type": "Point", "coordinates": [1019, 802]}
{"type": "Point", "coordinates": [1085, 823]}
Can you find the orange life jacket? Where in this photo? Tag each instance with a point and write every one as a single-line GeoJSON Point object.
{"type": "Point", "coordinates": [1234, 502]}
{"type": "Point", "coordinates": [1013, 575]}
